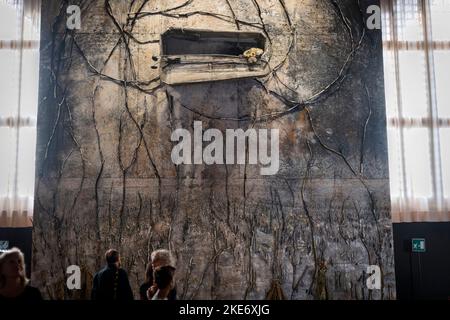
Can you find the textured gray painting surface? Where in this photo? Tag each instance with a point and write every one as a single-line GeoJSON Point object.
{"type": "Point", "coordinates": [105, 176]}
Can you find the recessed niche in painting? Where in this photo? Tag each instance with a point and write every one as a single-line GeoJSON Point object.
{"type": "Point", "coordinates": [192, 56]}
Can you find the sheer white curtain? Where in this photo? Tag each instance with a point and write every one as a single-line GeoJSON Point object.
{"type": "Point", "coordinates": [416, 40]}
{"type": "Point", "coordinates": [19, 73]}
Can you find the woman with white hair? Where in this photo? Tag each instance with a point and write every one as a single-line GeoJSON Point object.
{"type": "Point", "coordinates": [158, 258]}
{"type": "Point", "coordinates": [13, 281]}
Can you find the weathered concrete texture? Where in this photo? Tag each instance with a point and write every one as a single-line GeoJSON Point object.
{"type": "Point", "coordinates": [105, 177]}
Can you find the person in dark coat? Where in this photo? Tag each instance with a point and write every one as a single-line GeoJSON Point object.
{"type": "Point", "coordinates": [111, 283]}
{"type": "Point", "coordinates": [14, 285]}
{"type": "Point", "coordinates": [164, 282]}
{"type": "Point", "coordinates": [158, 258]}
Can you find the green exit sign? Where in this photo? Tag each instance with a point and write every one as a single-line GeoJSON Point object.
{"type": "Point", "coordinates": [418, 245]}
{"type": "Point", "coordinates": [4, 245]}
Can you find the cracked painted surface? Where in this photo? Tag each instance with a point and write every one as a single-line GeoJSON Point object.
{"type": "Point", "coordinates": [105, 178]}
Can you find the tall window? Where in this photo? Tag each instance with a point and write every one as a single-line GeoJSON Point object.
{"type": "Point", "coordinates": [416, 40]}
{"type": "Point", "coordinates": [19, 72]}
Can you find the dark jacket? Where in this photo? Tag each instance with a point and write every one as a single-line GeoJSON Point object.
{"type": "Point", "coordinates": [29, 294]}
{"type": "Point", "coordinates": [145, 286]}
{"type": "Point", "coordinates": [111, 283]}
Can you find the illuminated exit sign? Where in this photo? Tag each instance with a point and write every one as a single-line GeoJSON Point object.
{"type": "Point", "coordinates": [4, 245]}
{"type": "Point", "coordinates": [418, 245]}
